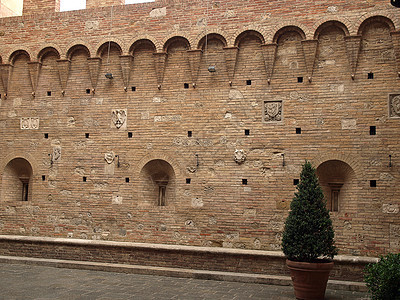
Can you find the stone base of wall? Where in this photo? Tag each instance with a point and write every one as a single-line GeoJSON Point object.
{"type": "Point", "coordinates": [171, 260]}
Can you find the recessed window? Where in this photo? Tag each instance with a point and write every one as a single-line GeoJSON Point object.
{"type": "Point", "coordinates": [370, 75]}
{"type": "Point", "coordinates": [133, 89]}
{"type": "Point", "coordinates": [127, 179]}
{"type": "Point", "coordinates": [49, 93]}
{"type": "Point", "coordinates": [372, 183]}
{"type": "Point", "coordinates": [186, 85]}
{"type": "Point", "coordinates": [87, 135]}
{"type": "Point", "coordinates": [130, 135]}
{"type": "Point", "coordinates": [43, 177]}
{"type": "Point", "coordinates": [247, 132]}
{"type": "Point", "coordinates": [188, 180]}
{"type": "Point", "coordinates": [296, 181]}
{"type": "Point", "coordinates": [372, 130]}
{"type": "Point", "coordinates": [87, 91]}
{"type": "Point", "coordinates": [248, 82]}
{"type": "Point", "coordinates": [46, 135]}
{"type": "Point", "coordinates": [84, 178]}
{"type": "Point", "coordinates": [244, 181]}
{"type": "Point", "coordinates": [299, 79]}
{"type": "Point", "coordinates": [190, 134]}
{"type": "Point", "coordinates": [298, 130]}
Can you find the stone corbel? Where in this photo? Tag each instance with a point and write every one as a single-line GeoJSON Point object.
{"type": "Point", "coordinates": [310, 53]}
{"type": "Point", "coordinates": [160, 59]}
{"type": "Point", "coordinates": [126, 65]}
{"type": "Point", "coordinates": [94, 64]}
{"type": "Point", "coordinates": [230, 61]}
{"type": "Point", "coordinates": [269, 55]}
{"type": "Point", "coordinates": [5, 73]}
{"type": "Point", "coordinates": [194, 57]}
{"type": "Point", "coordinates": [396, 45]}
{"type": "Point", "coordinates": [353, 46]}
{"type": "Point", "coordinates": [34, 70]}
{"type": "Point", "coordinates": [63, 66]}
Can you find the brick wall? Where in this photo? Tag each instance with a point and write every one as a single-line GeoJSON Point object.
{"type": "Point", "coordinates": [279, 69]}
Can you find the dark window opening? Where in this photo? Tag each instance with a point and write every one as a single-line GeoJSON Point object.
{"type": "Point", "coordinates": [49, 93]}
{"type": "Point", "coordinates": [247, 132]}
{"type": "Point", "coordinates": [161, 195]}
{"type": "Point", "coordinates": [84, 178]}
{"type": "Point", "coordinates": [248, 82]}
{"type": "Point", "coordinates": [87, 135]}
{"type": "Point", "coordinates": [244, 181]}
{"type": "Point", "coordinates": [372, 183]}
{"type": "Point", "coordinates": [43, 177]}
{"type": "Point", "coordinates": [296, 181]}
{"type": "Point", "coordinates": [186, 85]}
{"type": "Point", "coordinates": [189, 134]}
{"type": "Point", "coordinates": [133, 89]}
{"type": "Point", "coordinates": [87, 91]}
{"type": "Point", "coordinates": [372, 130]}
{"type": "Point", "coordinates": [299, 79]}
{"type": "Point", "coordinates": [188, 180]}
{"type": "Point", "coordinates": [46, 135]}
{"type": "Point", "coordinates": [25, 187]}
{"type": "Point", "coordinates": [130, 135]}
{"type": "Point", "coordinates": [370, 75]}
{"type": "Point", "coordinates": [127, 179]}
{"type": "Point", "coordinates": [298, 130]}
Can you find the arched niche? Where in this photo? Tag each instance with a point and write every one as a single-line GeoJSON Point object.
{"type": "Point", "coordinates": [249, 34]}
{"type": "Point", "coordinates": [143, 72]}
{"type": "Point", "coordinates": [177, 70]}
{"type": "Point", "coordinates": [49, 77]}
{"type": "Point", "coordinates": [157, 183]}
{"type": "Point", "coordinates": [110, 53]}
{"type": "Point", "coordinates": [78, 77]}
{"type": "Point", "coordinates": [17, 180]}
{"type": "Point", "coordinates": [48, 51]}
{"type": "Point", "coordinates": [20, 82]}
{"type": "Point", "coordinates": [338, 182]}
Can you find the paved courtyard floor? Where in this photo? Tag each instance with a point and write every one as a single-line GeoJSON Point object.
{"type": "Point", "coordinates": [20, 281]}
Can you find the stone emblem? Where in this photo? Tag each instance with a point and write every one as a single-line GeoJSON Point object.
{"type": "Point", "coordinates": [273, 111]}
{"type": "Point", "coordinates": [394, 106]}
{"type": "Point", "coordinates": [109, 157]}
{"type": "Point", "coordinates": [239, 156]}
{"type": "Point", "coordinates": [118, 118]}
{"type": "Point", "coordinates": [29, 123]}
{"type": "Point", "coordinates": [56, 153]}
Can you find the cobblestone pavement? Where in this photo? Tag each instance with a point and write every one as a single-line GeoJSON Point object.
{"type": "Point", "coordinates": [19, 281]}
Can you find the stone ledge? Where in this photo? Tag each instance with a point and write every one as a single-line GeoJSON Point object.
{"type": "Point", "coordinates": [176, 272]}
{"type": "Point", "coordinates": [180, 248]}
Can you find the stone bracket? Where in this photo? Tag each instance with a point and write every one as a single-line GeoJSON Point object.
{"type": "Point", "coordinates": [63, 66]}
{"type": "Point", "coordinates": [126, 65]}
{"type": "Point", "coordinates": [269, 55]}
{"type": "Point", "coordinates": [160, 59]}
{"type": "Point", "coordinates": [5, 72]}
{"type": "Point", "coordinates": [231, 54]}
{"type": "Point", "coordinates": [94, 64]}
{"type": "Point", "coordinates": [194, 57]}
{"type": "Point", "coordinates": [396, 45]}
{"type": "Point", "coordinates": [34, 70]}
{"type": "Point", "coordinates": [310, 53]}
{"type": "Point", "coordinates": [353, 46]}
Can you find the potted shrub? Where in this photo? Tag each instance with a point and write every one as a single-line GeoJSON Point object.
{"type": "Point", "coordinates": [308, 238]}
{"type": "Point", "coordinates": [383, 278]}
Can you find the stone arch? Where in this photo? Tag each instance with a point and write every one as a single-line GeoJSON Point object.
{"type": "Point", "coordinates": [103, 47]}
{"type": "Point", "coordinates": [327, 24]}
{"type": "Point", "coordinates": [46, 51]}
{"type": "Point", "coordinates": [211, 36]}
{"type": "Point", "coordinates": [17, 180]}
{"type": "Point", "coordinates": [213, 31]}
{"type": "Point", "coordinates": [17, 53]}
{"type": "Point", "coordinates": [145, 37]}
{"type": "Point", "coordinates": [372, 19]}
{"type": "Point", "coordinates": [157, 182]}
{"type": "Point", "coordinates": [139, 43]}
{"type": "Point", "coordinates": [250, 28]}
{"type": "Point", "coordinates": [70, 48]}
{"type": "Point", "coordinates": [176, 39]}
{"type": "Point", "coordinates": [77, 47]}
{"type": "Point", "coordinates": [338, 181]}
{"type": "Point", "coordinates": [351, 161]}
{"type": "Point", "coordinates": [248, 33]}
{"type": "Point", "coordinates": [287, 29]}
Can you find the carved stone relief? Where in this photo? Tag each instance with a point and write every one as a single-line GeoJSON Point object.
{"type": "Point", "coordinates": [239, 156]}
{"type": "Point", "coordinates": [118, 118]}
{"type": "Point", "coordinates": [29, 123]}
{"type": "Point", "coordinates": [394, 237]}
{"type": "Point", "coordinates": [56, 153]}
{"type": "Point", "coordinates": [394, 106]}
{"type": "Point", "coordinates": [390, 208]}
{"type": "Point", "coordinates": [109, 157]}
{"type": "Point", "coordinates": [272, 111]}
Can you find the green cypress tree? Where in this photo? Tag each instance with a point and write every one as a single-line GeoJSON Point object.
{"type": "Point", "coordinates": [308, 233]}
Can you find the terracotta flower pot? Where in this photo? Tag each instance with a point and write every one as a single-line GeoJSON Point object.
{"type": "Point", "coordinates": [309, 279]}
